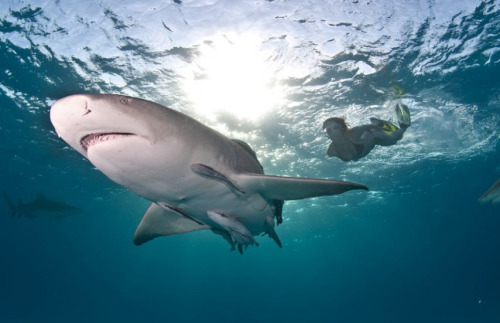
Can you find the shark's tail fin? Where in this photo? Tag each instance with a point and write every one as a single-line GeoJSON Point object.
{"type": "Point", "coordinates": [12, 207]}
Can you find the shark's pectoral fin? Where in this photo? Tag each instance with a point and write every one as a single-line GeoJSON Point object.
{"type": "Point", "coordinates": [179, 211]}
{"type": "Point", "coordinates": [160, 221]}
{"type": "Point", "coordinates": [209, 172]}
{"type": "Point", "coordinates": [292, 188]}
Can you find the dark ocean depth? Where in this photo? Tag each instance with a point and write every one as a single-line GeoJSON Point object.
{"type": "Point", "coordinates": [417, 247]}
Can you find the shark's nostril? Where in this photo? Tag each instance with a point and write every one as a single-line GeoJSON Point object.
{"type": "Point", "coordinates": [86, 108]}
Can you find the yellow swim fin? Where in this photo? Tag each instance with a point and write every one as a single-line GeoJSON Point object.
{"type": "Point", "coordinates": [403, 114]}
{"type": "Point", "coordinates": [386, 126]}
{"type": "Point", "coordinates": [398, 89]}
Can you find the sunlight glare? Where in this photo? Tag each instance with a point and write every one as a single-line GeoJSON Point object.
{"type": "Point", "coordinates": [232, 75]}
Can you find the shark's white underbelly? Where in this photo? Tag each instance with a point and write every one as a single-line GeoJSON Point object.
{"type": "Point", "coordinates": [196, 196]}
{"type": "Point", "coordinates": [197, 178]}
{"type": "Point", "coordinates": [172, 181]}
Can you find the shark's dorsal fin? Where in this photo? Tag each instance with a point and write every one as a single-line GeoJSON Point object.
{"type": "Point", "coordinates": [248, 149]}
{"type": "Point", "coordinates": [158, 221]}
{"type": "Point", "coordinates": [292, 188]}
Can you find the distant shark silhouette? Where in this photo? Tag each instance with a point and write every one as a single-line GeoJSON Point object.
{"type": "Point", "coordinates": [196, 178]}
{"type": "Point", "coordinates": [40, 207]}
{"type": "Point", "coordinates": [492, 195]}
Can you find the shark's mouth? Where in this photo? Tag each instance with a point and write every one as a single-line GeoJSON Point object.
{"type": "Point", "coordinates": [95, 138]}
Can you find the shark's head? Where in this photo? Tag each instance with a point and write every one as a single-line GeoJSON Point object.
{"type": "Point", "coordinates": [118, 134]}
{"type": "Point", "coordinates": [86, 121]}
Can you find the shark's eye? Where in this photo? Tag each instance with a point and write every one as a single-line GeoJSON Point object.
{"type": "Point", "coordinates": [123, 100]}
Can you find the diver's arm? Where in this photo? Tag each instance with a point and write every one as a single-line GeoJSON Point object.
{"type": "Point", "coordinates": [342, 148]}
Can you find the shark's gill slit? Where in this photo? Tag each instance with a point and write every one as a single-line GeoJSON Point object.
{"type": "Point", "coordinates": [94, 138]}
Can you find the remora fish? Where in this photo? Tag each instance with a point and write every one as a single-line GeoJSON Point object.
{"type": "Point", "coordinates": [40, 207]}
{"type": "Point", "coordinates": [492, 195]}
{"type": "Point", "coordinates": [196, 177]}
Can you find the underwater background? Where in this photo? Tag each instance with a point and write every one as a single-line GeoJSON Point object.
{"type": "Point", "coordinates": [417, 247]}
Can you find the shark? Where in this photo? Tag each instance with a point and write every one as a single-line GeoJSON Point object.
{"type": "Point", "coordinates": [492, 195]}
{"type": "Point", "coordinates": [195, 177]}
{"type": "Point", "coordinates": [40, 207]}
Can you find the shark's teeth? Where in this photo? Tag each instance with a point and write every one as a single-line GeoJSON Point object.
{"type": "Point", "coordinates": [95, 138]}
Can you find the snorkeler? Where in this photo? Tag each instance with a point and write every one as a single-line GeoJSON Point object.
{"type": "Point", "coordinates": [354, 143]}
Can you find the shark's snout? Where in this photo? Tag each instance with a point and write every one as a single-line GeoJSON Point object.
{"type": "Point", "coordinates": [67, 116]}
{"type": "Point", "coordinates": [65, 110]}
{"type": "Point", "coordinates": [85, 120]}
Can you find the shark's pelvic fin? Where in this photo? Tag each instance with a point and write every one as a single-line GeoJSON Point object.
{"type": "Point", "coordinates": [271, 232]}
{"type": "Point", "coordinates": [207, 171]}
{"type": "Point", "coordinates": [248, 149]}
{"type": "Point", "coordinates": [160, 221]}
{"type": "Point", "coordinates": [239, 233]}
{"type": "Point", "coordinates": [275, 237]}
{"type": "Point", "coordinates": [293, 188]}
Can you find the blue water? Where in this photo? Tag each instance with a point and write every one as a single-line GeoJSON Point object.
{"type": "Point", "coordinates": [418, 247]}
